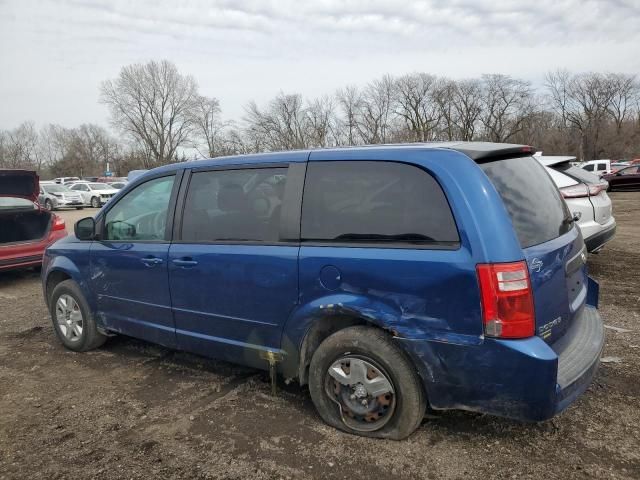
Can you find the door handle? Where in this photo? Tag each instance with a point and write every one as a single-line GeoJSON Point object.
{"type": "Point", "coordinates": [151, 261]}
{"type": "Point", "coordinates": [184, 262]}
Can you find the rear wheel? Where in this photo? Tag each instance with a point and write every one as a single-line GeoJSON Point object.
{"type": "Point", "coordinates": [362, 383]}
{"type": "Point", "coordinates": [95, 202]}
{"type": "Point", "coordinates": [72, 320]}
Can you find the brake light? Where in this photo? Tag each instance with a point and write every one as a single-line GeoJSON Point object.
{"type": "Point", "coordinates": [58, 223]}
{"type": "Point", "coordinates": [507, 300]}
{"type": "Point", "coordinates": [575, 191]}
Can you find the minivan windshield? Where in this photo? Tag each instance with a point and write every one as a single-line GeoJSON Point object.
{"type": "Point", "coordinates": [537, 210]}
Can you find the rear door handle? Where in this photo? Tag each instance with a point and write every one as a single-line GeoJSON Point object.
{"type": "Point", "coordinates": [184, 262]}
{"type": "Point", "coordinates": [151, 261]}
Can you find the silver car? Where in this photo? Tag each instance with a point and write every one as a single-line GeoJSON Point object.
{"type": "Point", "coordinates": [586, 196]}
{"type": "Point", "coordinates": [53, 196]}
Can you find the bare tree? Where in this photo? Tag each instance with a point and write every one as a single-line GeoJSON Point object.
{"type": "Point", "coordinates": [19, 147]}
{"type": "Point", "coordinates": [153, 104]}
{"type": "Point", "coordinates": [507, 102]}
{"type": "Point", "coordinates": [349, 103]}
{"type": "Point", "coordinates": [209, 125]}
{"type": "Point", "coordinates": [418, 104]}
{"type": "Point", "coordinates": [281, 125]}
{"type": "Point", "coordinates": [321, 122]}
{"type": "Point", "coordinates": [625, 93]}
{"type": "Point", "coordinates": [375, 113]}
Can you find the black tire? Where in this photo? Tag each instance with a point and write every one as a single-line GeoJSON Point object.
{"type": "Point", "coordinates": [48, 205]}
{"type": "Point", "coordinates": [79, 208]}
{"type": "Point", "coordinates": [376, 347]}
{"type": "Point", "coordinates": [90, 338]}
{"type": "Point", "coordinates": [95, 202]}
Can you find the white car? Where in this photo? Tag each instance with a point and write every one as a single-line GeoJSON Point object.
{"type": "Point", "coordinates": [94, 194]}
{"type": "Point", "coordinates": [587, 199]}
{"type": "Point", "coordinates": [598, 167]}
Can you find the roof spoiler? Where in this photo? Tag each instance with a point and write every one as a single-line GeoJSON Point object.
{"type": "Point", "coordinates": [482, 152]}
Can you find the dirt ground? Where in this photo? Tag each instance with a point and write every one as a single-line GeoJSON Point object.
{"type": "Point", "coordinates": [132, 410]}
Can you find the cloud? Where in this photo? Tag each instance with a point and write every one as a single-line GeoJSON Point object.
{"type": "Point", "coordinates": [59, 51]}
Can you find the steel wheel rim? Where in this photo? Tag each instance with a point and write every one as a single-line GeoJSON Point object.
{"type": "Point", "coordinates": [363, 391]}
{"type": "Point", "coordinates": [69, 318]}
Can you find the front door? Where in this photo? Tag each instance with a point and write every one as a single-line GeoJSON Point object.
{"type": "Point", "coordinates": [233, 280]}
{"type": "Point", "coordinates": [129, 263]}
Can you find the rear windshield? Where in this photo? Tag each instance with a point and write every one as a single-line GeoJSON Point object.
{"type": "Point", "coordinates": [578, 174]}
{"type": "Point", "coordinates": [537, 210]}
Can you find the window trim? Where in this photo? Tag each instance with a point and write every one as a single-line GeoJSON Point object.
{"type": "Point", "coordinates": [100, 226]}
{"type": "Point", "coordinates": [395, 245]}
{"type": "Point", "coordinates": [289, 215]}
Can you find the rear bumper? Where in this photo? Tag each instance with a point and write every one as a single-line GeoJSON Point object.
{"type": "Point", "coordinates": [524, 379]}
{"type": "Point", "coordinates": [596, 241]}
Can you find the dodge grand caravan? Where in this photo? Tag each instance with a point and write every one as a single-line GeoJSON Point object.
{"type": "Point", "coordinates": [387, 278]}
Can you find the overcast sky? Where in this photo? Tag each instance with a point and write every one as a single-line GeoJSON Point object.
{"type": "Point", "coordinates": [54, 54]}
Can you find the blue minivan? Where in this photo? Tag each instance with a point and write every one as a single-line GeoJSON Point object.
{"type": "Point", "coordinates": [390, 279]}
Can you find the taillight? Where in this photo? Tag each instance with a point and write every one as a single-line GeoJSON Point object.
{"type": "Point", "coordinates": [575, 191]}
{"type": "Point", "coordinates": [507, 300]}
{"type": "Point", "coordinates": [58, 223]}
{"type": "Point", "coordinates": [595, 189]}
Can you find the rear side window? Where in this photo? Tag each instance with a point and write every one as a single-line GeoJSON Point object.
{"type": "Point", "coordinates": [234, 205]}
{"type": "Point", "coordinates": [579, 174]}
{"type": "Point", "coordinates": [602, 166]}
{"type": "Point", "coordinates": [537, 210]}
{"type": "Point", "coordinates": [375, 202]}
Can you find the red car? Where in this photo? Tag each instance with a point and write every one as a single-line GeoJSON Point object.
{"type": "Point", "coordinates": [26, 229]}
{"type": "Point", "coordinates": [624, 179]}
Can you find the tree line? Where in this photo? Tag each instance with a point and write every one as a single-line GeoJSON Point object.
{"type": "Point", "coordinates": [158, 115]}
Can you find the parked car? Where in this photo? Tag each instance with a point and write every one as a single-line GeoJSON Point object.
{"type": "Point", "coordinates": [26, 229]}
{"type": "Point", "coordinates": [599, 167]}
{"type": "Point", "coordinates": [625, 179]}
{"type": "Point", "coordinates": [94, 194]}
{"type": "Point", "coordinates": [117, 185]}
{"type": "Point", "coordinates": [615, 166]}
{"type": "Point", "coordinates": [587, 199]}
{"type": "Point", "coordinates": [387, 278]}
{"type": "Point", "coordinates": [90, 179]}
{"type": "Point", "coordinates": [64, 180]}
{"type": "Point", "coordinates": [55, 195]}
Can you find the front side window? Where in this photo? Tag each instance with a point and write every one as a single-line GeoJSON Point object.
{"type": "Point", "coordinates": [234, 205]}
{"type": "Point", "coordinates": [375, 202]}
{"type": "Point", "coordinates": [588, 168]}
{"type": "Point", "coordinates": [142, 213]}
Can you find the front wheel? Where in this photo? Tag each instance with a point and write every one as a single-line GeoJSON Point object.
{"type": "Point", "coordinates": [362, 383]}
{"type": "Point", "coordinates": [48, 205]}
{"type": "Point", "coordinates": [72, 319]}
{"type": "Point", "coordinates": [95, 202]}
{"type": "Point", "coordinates": [79, 208]}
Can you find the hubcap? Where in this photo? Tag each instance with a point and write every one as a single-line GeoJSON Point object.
{"type": "Point", "coordinates": [363, 392]}
{"type": "Point", "coordinates": [69, 318]}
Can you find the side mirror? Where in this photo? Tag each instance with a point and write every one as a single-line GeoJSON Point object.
{"type": "Point", "coordinates": [85, 228]}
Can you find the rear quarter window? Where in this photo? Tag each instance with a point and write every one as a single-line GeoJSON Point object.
{"type": "Point", "coordinates": [375, 203]}
{"type": "Point", "coordinates": [537, 210]}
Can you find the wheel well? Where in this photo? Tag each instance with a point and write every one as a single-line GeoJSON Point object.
{"type": "Point", "coordinates": [54, 279]}
{"type": "Point", "coordinates": [319, 331]}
